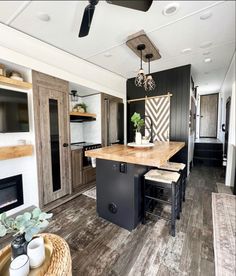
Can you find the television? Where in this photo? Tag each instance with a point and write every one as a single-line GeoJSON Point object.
{"type": "Point", "coordinates": [14, 116]}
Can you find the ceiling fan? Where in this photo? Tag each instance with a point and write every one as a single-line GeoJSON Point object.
{"type": "Point", "coordinates": [141, 5]}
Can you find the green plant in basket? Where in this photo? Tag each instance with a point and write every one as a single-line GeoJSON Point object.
{"type": "Point", "coordinates": [137, 121]}
{"type": "Point", "coordinates": [29, 224]}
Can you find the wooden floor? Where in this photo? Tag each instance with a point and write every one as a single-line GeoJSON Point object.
{"type": "Point", "coordinates": [101, 248]}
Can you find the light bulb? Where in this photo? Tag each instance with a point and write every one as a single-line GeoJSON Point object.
{"type": "Point", "coordinates": [140, 78]}
{"type": "Point", "coordinates": [149, 84]}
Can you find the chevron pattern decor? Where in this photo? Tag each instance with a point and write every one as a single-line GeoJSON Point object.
{"type": "Point", "coordinates": [157, 110]}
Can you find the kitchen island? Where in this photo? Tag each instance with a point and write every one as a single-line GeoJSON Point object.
{"type": "Point", "coordinates": [119, 178]}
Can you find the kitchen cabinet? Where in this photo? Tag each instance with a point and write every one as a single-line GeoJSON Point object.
{"type": "Point", "coordinates": [82, 177]}
{"type": "Point", "coordinates": [89, 175]}
{"type": "Point", "coordinates": [77, 167]}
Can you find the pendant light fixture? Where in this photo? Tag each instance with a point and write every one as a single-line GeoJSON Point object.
{"type": "Point", "coordinates": [141, 77]}
{"type": "Point", "coordinates": [74, 95]}
{"type": "Point", "coordinates": [149, 84]}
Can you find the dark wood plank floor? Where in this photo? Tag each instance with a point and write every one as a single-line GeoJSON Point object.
{"type": "Point", "coordinates": [101, 248]}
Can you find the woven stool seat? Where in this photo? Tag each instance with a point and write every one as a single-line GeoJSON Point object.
{"type": "Point", "coordinates": [162, 176]}
{"type": "Point", "coordinates": [172, 166]}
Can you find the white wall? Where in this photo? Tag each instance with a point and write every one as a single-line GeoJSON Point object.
{"type": "Point", "coordinates": [26, 166]}
{"type": "Point", "coordinates": [228, 90]}
{"type": "Point", "coordinates": [231, 155]}
{"type": "Point", "coordinates": [21, 49]}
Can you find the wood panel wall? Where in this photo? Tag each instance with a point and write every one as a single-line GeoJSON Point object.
{"type": "Point", "coordinates": [177, 82]}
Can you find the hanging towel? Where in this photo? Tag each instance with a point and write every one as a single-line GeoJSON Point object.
{"type": "Point", "coordinates": [157, 110]}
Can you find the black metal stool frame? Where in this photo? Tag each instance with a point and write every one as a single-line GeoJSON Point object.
{"type": "Point", "coordinates": [174, 187]}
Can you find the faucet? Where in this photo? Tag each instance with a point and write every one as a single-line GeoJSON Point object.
{"type": "Point", "coordinates": [151, 127]}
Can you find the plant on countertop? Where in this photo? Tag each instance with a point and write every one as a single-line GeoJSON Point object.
{"type": "Point", "coordinates": [137, 121]}
{"type": "Point", "coordinates": [81, 107]}
{"type": "Point", "coordinates": [28, 224]}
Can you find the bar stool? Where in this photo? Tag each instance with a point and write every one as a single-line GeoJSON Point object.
{"type": "Point", "coordinates": [156, 184]}
{"type": "Point", "coordinates": [181, 169]}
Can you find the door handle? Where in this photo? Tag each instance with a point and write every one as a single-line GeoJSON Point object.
{"type": "Point", "coordinates": [223, 127]}
{"type": "Point", "coordinates": [65, 145]}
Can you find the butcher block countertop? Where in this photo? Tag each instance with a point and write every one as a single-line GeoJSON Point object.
{"type": "Point", "coordinates": [154, 156]}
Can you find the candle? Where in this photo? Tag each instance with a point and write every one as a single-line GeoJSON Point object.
{"type": "Point", "coordinates": [36, 252]}
{"type": "Point", "coordinates": [19, 266]}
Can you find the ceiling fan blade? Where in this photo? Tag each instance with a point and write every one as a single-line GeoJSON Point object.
{"type": "Point", "coordinates": [87, 20]}
{"type": "Point", "coordinates": [141, 5]}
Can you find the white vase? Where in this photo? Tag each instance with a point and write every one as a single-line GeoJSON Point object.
{"type": "Point", "coordinates": [138, 138]}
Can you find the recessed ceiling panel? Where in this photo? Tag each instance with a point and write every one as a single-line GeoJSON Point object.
{"type": "Point", "coordinates": [111, 24]}
{"type": "Point", "coordinates": [8, 9]}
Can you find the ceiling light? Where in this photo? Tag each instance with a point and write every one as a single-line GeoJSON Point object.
{"type": "Point", "coordinates": [149, 84]}
{"type": "Point", "coordinates": [205, 15]}
{"type": "Point", "coordinates": [171, 9]}
{"type": "Point", "coordinates": [107, 55]}
{"type": "Point", "coordinates": [43, 16]}
{"type": "Point", "coordinates": [186, 50]}
{"type": "Point", "coordinates": [206, 53]}
{"type": "Point", "coordinates": [207, 60]}
{"type": "Point", "coordinates": [74, 95]}
{"type": "Point", "coordinates": [206, 44]}
{"type": "Point", "coordinates": [141, 77]}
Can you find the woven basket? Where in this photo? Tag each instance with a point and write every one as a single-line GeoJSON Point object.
{"type": "Point", "coordinates": [61, 264]}
{"type": "Point", "coordinates": [60, 261]}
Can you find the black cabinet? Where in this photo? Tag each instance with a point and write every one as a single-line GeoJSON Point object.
{"type": "Point", "coordinates": [119, 198]}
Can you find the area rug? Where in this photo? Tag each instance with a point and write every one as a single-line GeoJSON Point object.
{"type": "Point", "coordinates": [224, 227]}
{"type": "Point", "coordinates": [91, 193]}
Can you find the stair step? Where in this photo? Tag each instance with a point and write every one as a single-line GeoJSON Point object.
{"type": "Point", "coordinates": [208, 146]}
{"type": "Point", "coordinates": [209, 153]}
{"type": "Point", "coordinates": [207, 161]}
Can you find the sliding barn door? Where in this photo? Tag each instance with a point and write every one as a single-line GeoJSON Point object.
{"type": "Point", "coordinates": [52, 135]}
{"type": "Point", "coordinates": [157, 118]}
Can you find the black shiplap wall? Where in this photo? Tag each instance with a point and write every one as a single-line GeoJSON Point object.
{"type": "Point", "coordinates": [177, 82]}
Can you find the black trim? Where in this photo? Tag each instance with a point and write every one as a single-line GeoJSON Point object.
{"type": "Point", "coordinates": [13, 181]}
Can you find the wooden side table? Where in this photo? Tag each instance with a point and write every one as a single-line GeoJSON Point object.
{"type": "Point", "coordinates": [57, 262]}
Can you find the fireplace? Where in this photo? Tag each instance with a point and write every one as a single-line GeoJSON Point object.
{"type": "Point", "coordinates": [11, 193]}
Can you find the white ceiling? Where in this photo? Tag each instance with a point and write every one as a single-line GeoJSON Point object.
{"type": "Point", "coordinates": [112, 25]}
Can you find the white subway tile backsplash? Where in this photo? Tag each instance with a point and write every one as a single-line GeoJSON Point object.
{"type": "Point", "coordinates": [76, 132]}
{"type": "Point", "coordinates": [88, 131]}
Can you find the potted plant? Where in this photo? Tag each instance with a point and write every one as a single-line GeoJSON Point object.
{"type": "Point", "coordinates": [138, 123]}
{"type": "Point", "coordinates": [81, 107]}
{"type": "Point", "coordinates": [24, 228]}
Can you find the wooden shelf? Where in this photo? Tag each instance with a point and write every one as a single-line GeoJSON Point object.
{"type": "Point", "coordinates": [83, 114]}
{"type": "Point", "coordinates": [15, 83]}
{"type": "Point", "coordinates": [77, 117]}
{"type": "Point", "coordinates": [15, 151]}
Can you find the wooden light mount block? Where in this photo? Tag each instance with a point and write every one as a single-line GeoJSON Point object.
{"type": "Point", "coordinates": [140, 38]}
